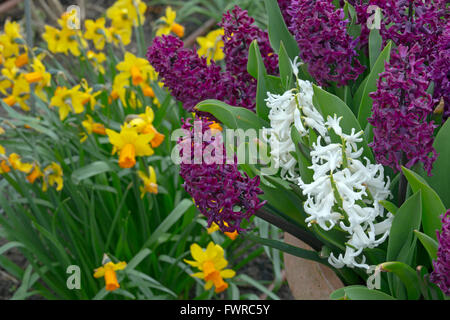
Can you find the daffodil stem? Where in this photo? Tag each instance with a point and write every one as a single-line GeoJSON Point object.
{"type": "Point", "coordinates": [289, 228]}
{"type": "Point", "coordinates": [29, 33]}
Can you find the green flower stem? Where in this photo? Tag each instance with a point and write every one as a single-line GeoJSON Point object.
{"type": "Point", "coordinates": [290, 228]}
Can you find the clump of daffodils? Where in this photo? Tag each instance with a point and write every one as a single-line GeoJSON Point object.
{"type": "Point", "coordinates": [137, 72]}
{"type": "Point", "coordinates": [51, 175]}
{"type": "Point", "coordinates": [345, 191]}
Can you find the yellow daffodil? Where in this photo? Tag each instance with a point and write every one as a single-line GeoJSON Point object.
{"type": "Point", "coordinates": [40, 77]}
{"type": "Point", "coordinates": [34, 174]}
{"type": "Point", "coordinates": [97, 60]}
{"type": "Point", "coordinates": [211, 46]}
{"type": "Point", "coordinates": [130, 144]}
{"type": "Point", "coordinates": [92, 127]}
{"type": "Point", "coordinates": [10, 73]}
{"type": "Point", "coordinates": [124, 14]}
{"type": "Point", "coordinates": [4, 168]}
{"type": "Point", "coordinates": [11, 32]}
{"type": "Point", "coordinates": [69, 100]}
{"type": "Point", "coordinates": [144, 124]}
{"type": "Point", "coordinates": [211, 263]}
{"type": "Point", "coordinates": [120, 36]}
{"type": "Point", "coordinates": [169, 25]}
{"type": "Point", "coordinates": [53, 175]}
{"type": "Point", "coordinates": [149, 180]}
{"type": "Point", "coordinates": [21, 60]}
{"type": "Point", "coordinates": [108, 271]}
{"type": "Point", "coordinates": [53, 38]}
{"type": "Point", "coordinates": [96, 31]}
{"type": "Point", "coordinates": [138, 69]}
{"type": "Point", "coordinates": [214, 227]}
{"type": "Point", "coordinates": [69, 42]}
{"type": "Point", "coordinates": [17, 164]}
{"type": "Point", "coordinates": [89, 96]}
{"type": "Point", "coordinates": [20, 93]}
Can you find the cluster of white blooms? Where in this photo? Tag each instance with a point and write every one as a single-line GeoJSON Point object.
{"type": "Point", "coordinates": [294, 107]}
{"type": "Point", "coordinates": [346, 192]}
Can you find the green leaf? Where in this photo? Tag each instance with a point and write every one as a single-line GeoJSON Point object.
{"type": "Point", "coordinates": [389, 206]}
{"type": "Point", "coordinates": [401, 242]}
{"type": "Point", "coordinates": [284, 204]}
{"type": "Point", "coordinates": [365, 106]}
{"type": "Point", "coordinates": [407, 275]}
{"type": "Point", "coordinates": [10, 245]}
{"type": "Point", "coordinates": [137, 259]}
{"type": "Point", "coordinates": [304, 161]}
{"type": "Point", "coordinates": [339, 294]}
{"type": "Point", "coordinates": [350, 12]}
{"type": "Point", "coordinates": [432, 205]}
{"type": "Point", "coordinates": [298, 252]}
{"type": "Point", "coordinates": [252, 61]}
{"type": "Point", "coordinates": [257, 69]}
{"type": "Point", "coordinates": [329, 105]}
{"type": "Point", "coordinates": [428, 243]}
{"type": "Point", "coordinates": [405, 222]}
{"type": "Point", "coordinates": [375, 43]}
{"type": "Point", "coordinates": [363, 293]}
{"type": "Point", "coordinates": [90, 170]}
{"type": "Point", "coordinates": [257, 285]}
{"type": "Point", "coordinates": [440, 180]}
{"type": "Point", "coordinates": [278, 30]}
{"type": "Point", "coordinates": [169, 221]}
{"type": "Point", "coordinates": [232, 117]}
{"type": "Point", "coordinates": [284, 65]}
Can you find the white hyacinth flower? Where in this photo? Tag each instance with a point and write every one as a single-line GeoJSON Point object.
{"type": "Point", "coordinates": [346, 192]}
{"type": "Point", "coordinates": [292, 108]}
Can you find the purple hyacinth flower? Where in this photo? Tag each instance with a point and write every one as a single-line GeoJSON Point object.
{"type": "Point", "coordinates": [189, 77]}
{"type": "Point", "coordinates": [239, 32]}
{"type": "Point", "coordinates": [441, 266]}
{"type": "Point", "coordinates": [401, 104]}
{"type": "Point", "coordinates": [220, 191]}
{"type": "Point", "coordinates": [325, 45]}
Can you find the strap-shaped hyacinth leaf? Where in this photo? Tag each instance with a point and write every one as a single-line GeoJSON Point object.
{"type": "Point", "coordinates": [440, 181]}
{"type": "Point", "coordinates": [432, 205]}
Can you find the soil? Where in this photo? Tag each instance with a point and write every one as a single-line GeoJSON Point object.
{"type": "Point", "coordinates": [261, 268]}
